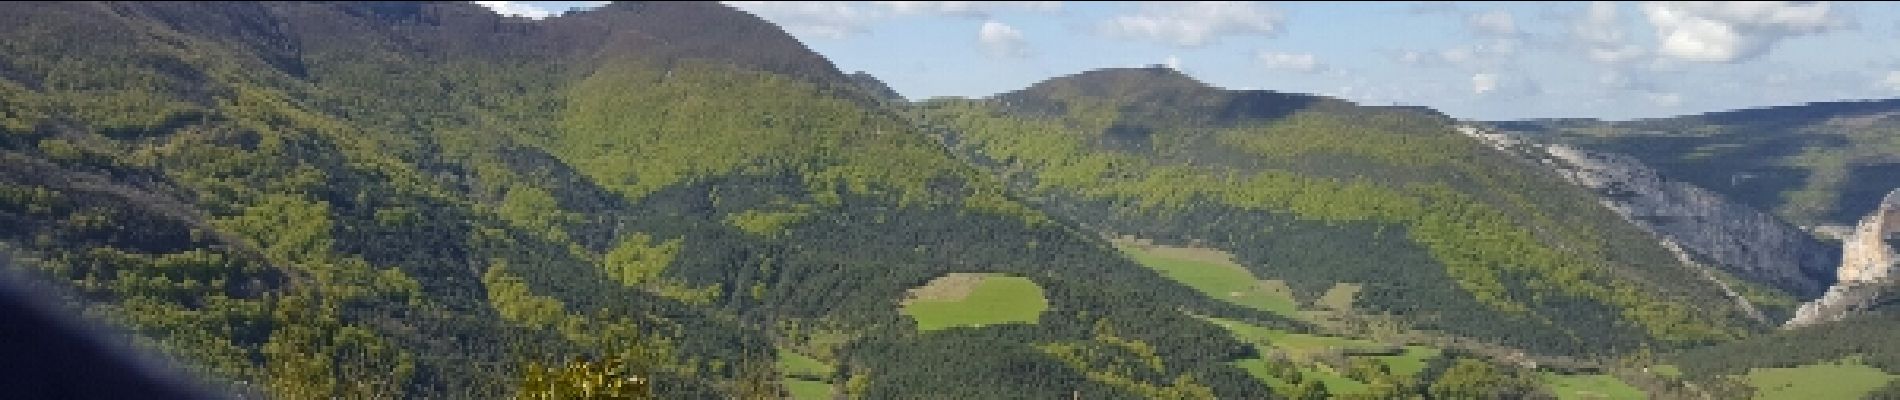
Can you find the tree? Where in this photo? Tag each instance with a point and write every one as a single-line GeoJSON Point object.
{"type": "Point", "coordinates": [582, 379]}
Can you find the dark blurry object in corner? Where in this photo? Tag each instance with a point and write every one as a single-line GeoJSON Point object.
{"type": "Point", "coordinates": [52, 355]}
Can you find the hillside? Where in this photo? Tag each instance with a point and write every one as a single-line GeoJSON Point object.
{"type": "Point", "coordinates": [317, 200]}
{"type": "Point", "coordinates": [1443, 233]}
{"type": "Point", "coordinates": [1812, 164]}
{"type": "Point", "coordinates": [428, 200]}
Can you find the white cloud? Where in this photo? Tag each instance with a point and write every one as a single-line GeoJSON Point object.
{"type": "Point", "coordinates": [1194, 24]}
{"type": "Point", "coordinates": [1892, 81]}
{"type": "Point", "coordinates": [1173, 62]}
{"type": "Point", "coordinates": [1603, 36]}
{"type": "Point", "coordinates": [1728, 32]}
{"type": "Point", "coordinates": [1482, 83]}
{"type": "Point", "coordinates": [516, 9]}
{"type": "Point", "coordinates": [1002, 40]}
{"type": "Point", "coordinates": [1494, 22]}
{"type": "Point", "coordinates": [839, 19]}
{"type": "Point", "coordinates": [1301, 62]}
{"type": "Point", "coordinates": [826, 19]}
{"type": "Point", "coordinates": [1412, 57]}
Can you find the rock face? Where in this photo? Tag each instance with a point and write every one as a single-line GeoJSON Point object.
{"type": "Point", "coordinates": [1867, 270]}
{"type": "Point", "coordinates": [1700, 225]}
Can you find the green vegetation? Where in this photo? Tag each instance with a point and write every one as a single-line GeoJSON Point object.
{"type": "Point", "coordinates": [1122, 362]}
{"type": "Point", "coordinates": [1411, 361]}
{"type": "Point", "coordinates": [580, 379]}
{"type": "Point", "coordinates": [1219, 279]}
{"type": "Point", "coordinates": [803, 376]}
{"type": "Point", "coordinates": [808, 390]}
{"type": "Point", "coordinates": [981, 300]}
{"type": "Point", "coordinates": [1590, 387]}
{"type": "Point", "coordinates": [792, 363]}
{"type": "Point", "coordinates": [1528, 258]}
{"type": "Point", "coordinates": [1292, 358]}
{"type": "Point", "coordinates": [1841, 380]}
{"type": "Point", "coordinates": [1811, 164]}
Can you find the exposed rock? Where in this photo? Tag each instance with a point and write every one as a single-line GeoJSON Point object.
{"type": "Point", "coordinates": [1867, 270]}
{"type": "Point", "coordinates": [1697, 223]}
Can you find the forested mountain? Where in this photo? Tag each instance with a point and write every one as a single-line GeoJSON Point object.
{"type": "Point", "coordinates": [1442, 232]}
{"type": "Point", "coordinates": [1811, 164]}
{"type": "Point", "coordinates": [1830, 167]}
{"type": "Point", "coordinates": [420, 199]}
{"type": "Point", "coordinates": [429, 200]}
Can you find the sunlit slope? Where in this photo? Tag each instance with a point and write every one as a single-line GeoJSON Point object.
{"type": "Point", "coordinates": [1442, 231]}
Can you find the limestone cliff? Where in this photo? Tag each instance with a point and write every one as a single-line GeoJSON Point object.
{"type": "Point", "coordinates": [1867, 270]}
{"type": "Point", "coordinates": [1703, 227]}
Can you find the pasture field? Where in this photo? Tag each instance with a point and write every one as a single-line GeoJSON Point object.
{"type": "Point", "coordinates": [1842, 380]}
{"type": "Point", "coordinates": [797, 371]}
{"type": "Point", "coordinates": [963, 299]}
{"type": "Point", "coordinates": [1590, 387]}
{"type": "Point", "coordinates": [1215, 274]}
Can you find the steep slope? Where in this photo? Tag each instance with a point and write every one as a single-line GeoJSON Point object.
{"type": "Point", "coordinates": [1813, 165]}
{"type": "Point", "coordinates": [1867, 272]}
{"type": "Point", "coordinates": [419, 199]}
{"type": "Point", "coordinates": [1702, 227]}
{"type": "Point", "coordinates": [1444, 234]}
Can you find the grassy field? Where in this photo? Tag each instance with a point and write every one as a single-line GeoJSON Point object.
{"type": "Point", "coordinates": [1411, 361]}
{"type": "Point", "coordinates": [1590, 387]}
{"type": "Point", "coordinates": [798, 371]}
{"type": "Point", "coordinates": [975, 300]}
{"type": "Point", "coordinates": [808, 390]}
{"type": "Point", "coordinates": [1216, 275]}
{"type": "Point", "coordinates": [1335, 383]}
{"type": "Point", "coordinates": [1844, 380]}
{"type": "Point", "coordinates": [792, 363]}
{"type": "Point", "coordinates": [1302, 348]}
{"type": "Point", "coordinates": [1295, 345]}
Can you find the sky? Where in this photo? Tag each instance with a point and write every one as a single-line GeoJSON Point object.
{"type": "Point", "coordinates": [1472, 60]}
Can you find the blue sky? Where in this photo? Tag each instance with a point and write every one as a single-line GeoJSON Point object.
{"type": "Point", "coordinates": [1491, 61]}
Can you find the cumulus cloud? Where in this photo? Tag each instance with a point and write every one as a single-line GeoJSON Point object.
{"type": "Point", "coordinates": [1002, 40]}
{"type": "Point", "coordinates": [1301, 62]}
{"type": "Point", "coordinates": [1891, 82]}
{"type": "Point", "coordinates": [1727, 32]}
{"type": "Point", "coordinates": [1485, 54]}
{"type": "Point", "coordinates": [825, 19]}
{"type": "Point", "coordinates": [1500, 85]}
{"type": "Point", "coordinates": [840, 19]}
{"type": "Point", "coordinates": [517, 9]}
{"type": "Point", "coordinates": [1194, 24]}
{"type": "Point", "coordinates": [1603, 36]}
{"type": "Point", "coordinates": [1497, 39]}
{"type": "Point", "coordinates": [1494, 22]}
{"type": "Point", "coordinates": [1483, 82]}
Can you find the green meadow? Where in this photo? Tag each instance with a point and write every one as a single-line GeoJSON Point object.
{"type": "Point", "coordinates": [1848, 379]}
{"type": "Point", "coordinates": [1303, 348]}
{"type": "Point", "coordinates": [1590, 387]}
{"type": "Point", "coordinates": [803, 375]}
{"type": "Point", "coordinates": [1216, 277]}
{"type": "Point", "coordinates": [975, 300]}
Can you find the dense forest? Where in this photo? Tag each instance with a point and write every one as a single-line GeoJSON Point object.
{"type": "Point", "coordinates": [426, 200]}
